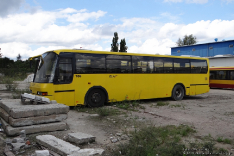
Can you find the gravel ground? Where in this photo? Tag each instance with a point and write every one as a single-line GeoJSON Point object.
{"type": "Point", "coordinates": [209, 114]}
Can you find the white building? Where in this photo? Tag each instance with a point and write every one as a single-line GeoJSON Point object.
{"type": "Point", "coordinates": [222, 61]}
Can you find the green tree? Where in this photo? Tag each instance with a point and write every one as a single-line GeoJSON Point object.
{"type": "Point", "coordinates": [18, 57]}
{"type": "Point", "coordinates": [115, 45]}
{"type": "Point", "coordinates": [123, 47]}
{"type": "Point", "coordinates": [187, 40]}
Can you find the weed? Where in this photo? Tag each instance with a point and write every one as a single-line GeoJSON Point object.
{"type": "Point", "coordinates": [161, 103]}
{"type": "Point", "coordinates": [229, 113]}
{"type": "Point", "coordinates": [219, 139]}
{"type": "Point", "coordinates": [209, 146]}
{"type": "Point", "coordinates": [175, 106]}
{"type": "Point", "coordinates": [82, 108]}
{"type": "Point", "coordinates": [151, 141]}
{"type": "Point", "coordinates": [102, 111]}
{"type": "Point", "coordinates": [9, 83]}
{"type": "Point", "coordinates": [186, 130]}
{"type": "Point", "coordinates": [16, 94]}
{"type": "Point", "coordinates": [223, 151]}
{"type": "Point", "coordinates": [142, 107]}
{"type": "Point", "coordinates": [227, 141]}
{"type": "Point", "coordinates": [107, 111]}
{"type": "Point", "coordinates": [128, 104]}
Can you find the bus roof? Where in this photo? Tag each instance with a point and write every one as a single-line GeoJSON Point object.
{"type": "Point", "coordinates": [58, 51]}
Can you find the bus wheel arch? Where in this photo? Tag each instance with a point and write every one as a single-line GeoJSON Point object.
{"type": "Point", "coordinates": [178, 92]}
{"type": "Point", "coordinates": [96, 96]}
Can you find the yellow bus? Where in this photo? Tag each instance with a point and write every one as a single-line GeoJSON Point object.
{"type": "Point", "coordinates": [85, 77]}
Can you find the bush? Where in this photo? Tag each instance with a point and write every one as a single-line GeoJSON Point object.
{"type": "Point", "coordinates": [152, 141]}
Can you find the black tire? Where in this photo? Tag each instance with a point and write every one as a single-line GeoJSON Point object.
{"type": "Point", "coordinates": [95, 98]}
{"type": "Point", "coordinates": [177, 93]}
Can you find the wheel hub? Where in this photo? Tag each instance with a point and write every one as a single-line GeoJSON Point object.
{"type": "Point", "coordinates": [178, 93]}
{"type": "Point", "coordinates": [96, 97]}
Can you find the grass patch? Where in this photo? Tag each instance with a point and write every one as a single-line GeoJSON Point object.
{"type": "Point", "coordinates": [16, 94]}
{"type": "Point", "coordinates": [152, 141]}
{"type": "Point", "coordinates": [229, 113]}
{"type": "Point", "coordinates": [9, 83]}
{"type": "Point", "coordinates": [130, 105]}
{"type": "Point", "coordinates": [227, 141]}
{"type": "Point", "coordinates": [162, 103]}
{"type": "Point", "coordinates": [102, 111]}
{"type": "Point", "coordinates": [177, 105]}
{"type": "Point", "coordinates": [221, 140]}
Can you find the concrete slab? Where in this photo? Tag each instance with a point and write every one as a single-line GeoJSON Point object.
{"type": "Point", "coordinates": [36, 120]}
{"type": "Point", "coordinates": [57, 145]}
{"type": "Point", "coordinates": [80, 138]}
{"type": "Point", "coordinates": [88, 152]}
{"type": "Point", "coordinates": [16, 109]}
{"type": "Point", "coordinates": [4, 115]}
{"type": "Point", "coordinates": [12, 131]}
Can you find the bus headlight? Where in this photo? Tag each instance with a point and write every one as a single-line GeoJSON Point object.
{"type": "Point", "coordinates": [42, 93]}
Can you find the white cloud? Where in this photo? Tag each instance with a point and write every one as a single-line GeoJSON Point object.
{"type": "Point", "coordinates": [40, 28]}
{"type": "Point", "coordinates": [9, 6]}
{"type": "Point", "coordinates": [33, 34]}
{"type": "Point", "coordinates": [203, 30]}
{"type": "Point", "coordinates": [154, 46]}
{"type": "Point", "coordinates": [12, 49]}
{"type": "Point", "coordinates": [83, 16]}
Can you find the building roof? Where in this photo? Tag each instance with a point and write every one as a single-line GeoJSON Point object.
{"type": "Point", "coordinates": [205, 43]}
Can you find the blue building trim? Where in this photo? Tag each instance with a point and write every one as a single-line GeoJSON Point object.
{"type": "Point", "coordinates": [206, 49]}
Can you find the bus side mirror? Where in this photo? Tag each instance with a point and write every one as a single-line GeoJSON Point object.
{"type": "Point", "coordinates": [30, 63]}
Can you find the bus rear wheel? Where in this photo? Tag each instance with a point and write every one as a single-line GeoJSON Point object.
{"type": "Point", "coordinates": [177, 93]}
{"type": "Point", "coordinates": [96, 98]}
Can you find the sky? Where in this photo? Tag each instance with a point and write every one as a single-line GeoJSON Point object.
{"type": "Point", "coordinates": [32, 27]}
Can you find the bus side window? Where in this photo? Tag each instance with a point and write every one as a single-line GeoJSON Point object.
{"type": "Point", "coordinates": [118, 64]}
{"type": "Point", "coordinates": [231, 75]}
{"type": "Point", "coordinates": [198, 66]}
{"type": "Point", "coordinates": [221, 75]}
{"type": "Point", "coordinates": [143, 64]}
{"type": "Point", "coordinates": [168, 65]}
{"type": "Point", "coordinates": [158, 65]}
{"type": "Point", "coordinates": [212, 75]}
{"type": "Point", "coordinates": [181, 66]}
{"type": "Point", "coordinates": [90, 63]}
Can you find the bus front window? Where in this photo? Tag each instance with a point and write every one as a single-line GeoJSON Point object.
{"type": "Point", "coordinates": [46, 68]}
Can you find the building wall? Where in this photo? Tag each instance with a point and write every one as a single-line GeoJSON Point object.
{"type": "Point", "coordinates": [205, 50]}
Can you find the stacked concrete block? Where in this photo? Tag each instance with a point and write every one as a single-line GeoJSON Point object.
{"type": "Point", "coordinates": [80, 138]}
{"type": "Point", "coordinates": [65, 148]}
{"type": "Point", "coordinates": [16, 116]}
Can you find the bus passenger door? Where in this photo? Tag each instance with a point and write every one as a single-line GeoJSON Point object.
{"type": "Point", "coordinates": [64, 89]}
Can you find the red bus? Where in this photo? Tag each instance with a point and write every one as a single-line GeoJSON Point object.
{"type": "Point", "coordinates": [221, 77]}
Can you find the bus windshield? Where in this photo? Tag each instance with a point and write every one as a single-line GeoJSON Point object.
{"type": "Point", "coordinates": [45, 69]}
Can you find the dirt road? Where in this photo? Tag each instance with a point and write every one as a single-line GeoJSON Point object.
{"type": "Point", "coordinates": [209, 114]}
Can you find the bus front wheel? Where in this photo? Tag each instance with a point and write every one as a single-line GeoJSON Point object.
{"type": "Point", "coordinates": [96, 98]}
{"type": "Point", "coordinates": [178, 93]}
